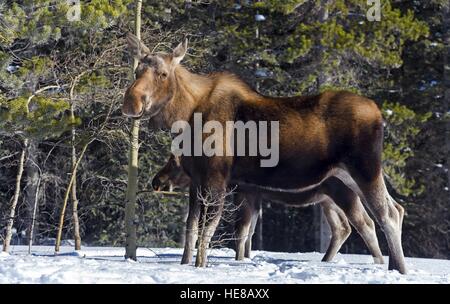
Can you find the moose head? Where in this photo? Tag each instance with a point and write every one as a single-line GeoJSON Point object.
{"type": "Point", "coordinates": [171, 176]}
{"type": "Point", "coordinates": [154, 83]}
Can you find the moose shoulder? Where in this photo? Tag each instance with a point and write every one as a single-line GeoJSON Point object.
{"type": "Point", "coordinates": [336, 134]}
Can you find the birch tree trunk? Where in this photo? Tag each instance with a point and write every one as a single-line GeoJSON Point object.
{"type": "Point", "coordinates": [130, 203]}
{"type": "Point", "coordinates": [12, 210]}
{"type": "Point", "coordinates": [33, 218]}
{"type": "Point", "coordinates": [75, 219]}
{"type": "Point", "coordinates": [66, 198]}
{"type": "Point", "coordinates": [31, 189]}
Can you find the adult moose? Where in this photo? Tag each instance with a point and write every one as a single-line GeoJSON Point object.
{"type": "Point", "coordinates": [332, 195]}
{"type": "Point", "coordinates": [333, 134]}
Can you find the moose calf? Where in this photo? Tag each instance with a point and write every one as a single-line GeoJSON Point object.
{"type": "Point", "coordinates": [340, 206]}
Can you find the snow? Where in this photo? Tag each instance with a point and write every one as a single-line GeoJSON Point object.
{"type": "Point", "coordinates": [162, 265]}
{"type": "Point", "coordinates": [12, 68]}
{"type": "Point", "coordinates": [261, 73]}
{"type": "Point", "coordinates": [259, 17]}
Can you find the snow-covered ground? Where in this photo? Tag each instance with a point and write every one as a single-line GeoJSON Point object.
{"type": "Point", "coordinates": [107, 265]}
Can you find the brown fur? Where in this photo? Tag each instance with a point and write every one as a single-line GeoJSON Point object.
{"type": "Point", "coordinates": [335, 133]}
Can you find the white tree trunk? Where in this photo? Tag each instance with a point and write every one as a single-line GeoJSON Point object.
{"type": "Point", "coordinates": [12, 209]}
{"type": "Point", "coordinates": [66, 198]}
{"type": "Point", "coordinates": [133, 163]}
{"type": "Point", "coordinates": [33, 218]}
{"type": "Point", "coordinates": [32, 181]}
{"type": "Point", "coordinates": [75, 219]}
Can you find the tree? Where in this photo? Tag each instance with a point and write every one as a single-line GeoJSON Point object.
{"type": "Point", "coordinates": [17, 119]}
{"type": "Point", "coordinates": [12, 209]}
{"type": "Point", "coordinates": [30, 69]}
{"type": "Point", "coordinates": [130, 200]}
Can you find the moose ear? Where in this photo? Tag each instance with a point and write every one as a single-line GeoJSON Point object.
{"type": "Point", "coordinates": [136, 47]}
{"type": "Point", "coordinates": [179, 52]}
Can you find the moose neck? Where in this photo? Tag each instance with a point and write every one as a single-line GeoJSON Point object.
{"type": "Point", "coordinates": [189, 91]}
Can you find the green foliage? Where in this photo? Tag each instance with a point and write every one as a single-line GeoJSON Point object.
{"type": "Point", "coordinates": [333, 40]}
{"type": "Point", "coordinates": [159, 12]}
{"type": "Point", "coordinates": [100, 14]}
{"type": "Point", "coordinates": [329, 87]}
{"type": "Point", "coordinates": [36, 65]}
{"type": "Point", "coordinates": [402, 126]}
{"type": "Point", "coordinates": [93, 81]}
{"type": "Point", "coordinates": [46, 119]}
{"type": "Point", "coordinates": [286, 7]}
{"type": "Point", "coordinates": [376, 42]}
{"type": "Point", "coordinates": [37, 23]}
{"type": "Point", "coordinates": [34, 20]}
{"type": "Point", "coordinates": [41, 20]}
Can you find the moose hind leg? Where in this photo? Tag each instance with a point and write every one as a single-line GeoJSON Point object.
{"type": "Point", "coordinates": [364, 225]}
{"type": "Point", "coordinates": [401, 212]}
{"type": "Point", "coordinates": [383, 208]}
{"type": "Point", "coordinates": [340, 228]}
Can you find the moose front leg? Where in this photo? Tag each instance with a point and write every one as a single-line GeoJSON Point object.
{"type": "Point", "coordinates": [211, 202]}
{"type": "Point", "coordinates": [243, 224]}
{"type": "Point", "coordinates": [339, 225]}
{"type": "Point", "coordinates": [191, 226]}
{"type": "Point", "coordinates": [248, 243]}
{"type": "Point", "coordinates": [211, 199]}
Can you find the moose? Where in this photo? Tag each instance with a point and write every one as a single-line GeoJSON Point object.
{"type": "Point", "coordinates": [334, 134]}
{"type": "Point", "coordinates": [332, 195]}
